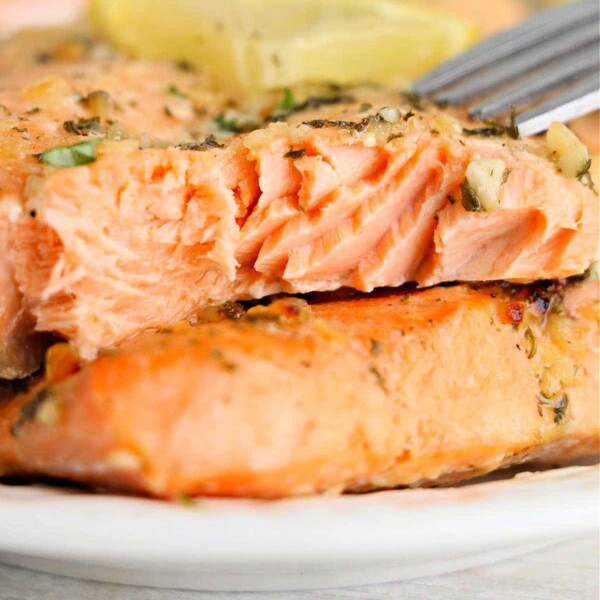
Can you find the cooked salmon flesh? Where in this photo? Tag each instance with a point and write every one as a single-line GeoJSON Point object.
{"type": "Point", "coordinates": [394, 388]}
{"type": "Point", "coordinates": [358, 190]}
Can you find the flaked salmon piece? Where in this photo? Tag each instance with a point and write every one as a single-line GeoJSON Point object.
{"type": "Point", "coordinates": [332, 197]}
{"type": "Point", "coordinates": [142, 237]}
{"type": "Point", "coordinates": [396, 388]}
{"type": "Point", "coordinates": [48, 80]}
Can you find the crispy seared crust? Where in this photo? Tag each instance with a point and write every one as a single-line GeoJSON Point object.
{"type": "Point", "coordinates": [379, 391]}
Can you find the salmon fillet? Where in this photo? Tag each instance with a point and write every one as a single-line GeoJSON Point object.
{"type": "Point", "coordinates": [335, 196]}
{"type": "Point", "coordinates": [394, 388]}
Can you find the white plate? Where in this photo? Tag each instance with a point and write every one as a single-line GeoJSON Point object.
{"type": "Point", "coordinates": [293, 544]}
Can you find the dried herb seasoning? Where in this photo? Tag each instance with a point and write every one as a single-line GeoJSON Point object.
{"type": "Point", "coordinates": [295, 153]}
{"type": "Point", "coordinates": [28, 411]}
{"type": "Point", "coordinates": [558, 405]}
{"type": "Point", "coordinates": [470, 200]}
{"type": "Point", "coordinates": [173, 90]}
{"type": "Point", "coordinates": [210, 143]}
{"type": "Point", "coordinates": [83, 127]}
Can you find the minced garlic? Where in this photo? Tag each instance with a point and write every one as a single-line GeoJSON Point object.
{"type": "Point", "coordinates": [570, 154]}
{"type": "Point", "coordinates": [124, 460]}
{"type": "Point", "coordinates": [485, 176]}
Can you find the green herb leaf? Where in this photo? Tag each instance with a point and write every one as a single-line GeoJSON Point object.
{"type": "Point", "coordinates": [288, 102]}
{"type": "Point", "coordinates": [230, 124]}
{"type": "Point", "coordinates": [175, 91]}
{"type": "Point", "coordinates": [71, 156]}
{"type": "Point", "coordinates": [470, 200]}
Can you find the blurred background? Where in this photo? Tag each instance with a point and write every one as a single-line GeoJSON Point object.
{"type": "Point", "coordinates": [466, 22]}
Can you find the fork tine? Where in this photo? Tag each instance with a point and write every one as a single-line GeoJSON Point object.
{"type": "Point", "coordinates": [528, 60]}
{"type": "Point", "coordinates": [512, 41]}
{"type": "Point", "coordinates": [541, 82]}
{"type": "Point", "coordinates": [577, 101]}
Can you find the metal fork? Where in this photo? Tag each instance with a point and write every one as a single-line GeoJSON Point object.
{"type": "Point", "coordinates": [555, 52]}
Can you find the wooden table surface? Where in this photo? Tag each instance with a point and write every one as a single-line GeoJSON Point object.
{"type": "Point", "coordinates": [567, 571]}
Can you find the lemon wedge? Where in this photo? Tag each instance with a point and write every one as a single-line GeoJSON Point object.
{"type": "Point", "coordinates": [265, 44]}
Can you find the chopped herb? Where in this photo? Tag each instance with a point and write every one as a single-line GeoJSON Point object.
{"type": "Point", "coordinates": [209, 143]}
{"type": "Point", "coordinates": [186, 500]}
{"type": "Point", "coordinates": [173, 90]}
{"type": "Point", "coordinates": [585, 169]}
{"type": "Point", "coordinates": [376, 347]}
{"type": "Point", "coordinates": [531, 343]}
{"type": "Point", "coordinates": [513, 129]}
{"type": "Point", "coordinates": [70, 156]}
{"type": "Point", "coordinates": [168, 111]}
{"type": "Point", "coordinates": [317, 101]}
{"type": "Point", "coordinates": [409, 115]}
{"type": "Point", "coordinates": [33, 111]}
{"type": "Point", "coordinates": [28, 411]}
{"type": "Point", "coordinates": [289, 105]}
{"type": "Point", "coordinates": [470, 200]}
{"type": "Point", "coordinates": [405, 298]}
{"type": "Point", "coordinates": [83, 126]}
{"type": "Point", "coordinates": [379, 378]}
{"type": "Point", "coordinates": [295, 153]}
{"type": "Point", "coordinates": [451, 199]}
{"type": "Point", "coordinates": [184, 65]}
{"type": "Point", "coordinates": [232, 125]}
{"type": "Point", "coordinates": [227, 364]}
{"type": "Point", "coordinates": [495, 129]}
{"type": "Point", "coordinates": [365, 106]}
{"type": "Point", "coordinates": [288, 102]}
{"type": "Point", "coordinates": [394, 136]}
{"type": "Point", "coordinates": [43, 57]}
{"type": "Point", "coordinates": [585, 177]}
{"type": "Point", "coordinates": [505, 175]}
{"type": "Point", "coordinates": [491, 130]}
{"type": "Point", "coordinates": [349, 125]}
{"type": "Point", "coordinates": [559, 406]}
{"type": "Point", "coordinates": [413, 99]}
{"type": "Point", "coordinates": [23, 131]}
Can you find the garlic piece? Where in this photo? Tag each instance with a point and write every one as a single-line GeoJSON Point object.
{"type": "Point", "coordinates": [572, 158]}
{"type": "Point", "coordinates": [389, 114]}
{"type": "Point", "coordinates": [445, 124]}
{"type": "Point", "coordinates": [485, 176]}
{"type": "Point", "coordinates": [124, 460]}
{"type": "Point", "coordinates": [48, 413]}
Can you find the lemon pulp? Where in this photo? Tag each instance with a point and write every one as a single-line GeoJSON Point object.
{"type": "Point", "coordinates": [266, 44]}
